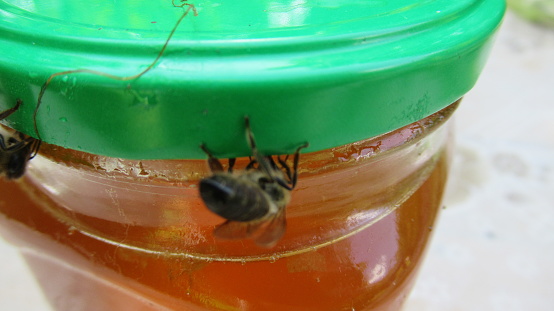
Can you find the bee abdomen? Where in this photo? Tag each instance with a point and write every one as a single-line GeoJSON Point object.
{"type": "Point", "coordinates": [233, 199]}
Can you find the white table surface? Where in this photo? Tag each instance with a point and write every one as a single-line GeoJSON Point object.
{"type": "Point", "coordinates": [493, 247]}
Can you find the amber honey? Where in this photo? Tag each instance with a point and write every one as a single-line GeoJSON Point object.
{"type": "Point", "coordinates": [111, 234]}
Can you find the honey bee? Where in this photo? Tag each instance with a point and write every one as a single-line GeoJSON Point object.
{"type": "Point", "coordinates": [254, 201]}
{"type": "Point", "coordinates": [16, 149]}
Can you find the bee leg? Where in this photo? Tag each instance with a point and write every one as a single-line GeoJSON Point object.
{"type": "Point", "coordinates": [264, 165]}
{"type": "Point", "coordinates": [251, 164]}
{"type": "Point", "coordinates": [15, 147]}
{"type": "Point", "coordinates": [213, 162]}
{"type": "Point", "coordinates": [8, 112]}
{"type": "Point", "coordinates": [272, 163]}
{"type": "Point", "coordinates": [283, 183]}
{"type": "Point", "coordinates": [35, 146]}
{"type": "Point", "coordinates": [231, 164]}
{"type": "Point", "coordinates": [284, 165]}
{"type": "Point", "coordinates": [294, 176]}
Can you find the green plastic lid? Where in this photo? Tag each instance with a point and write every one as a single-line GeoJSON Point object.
{"type": "Point", "coordinates": [324, 72]}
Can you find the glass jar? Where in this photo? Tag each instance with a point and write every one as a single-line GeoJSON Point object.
{"type": "Point", "coordinates": [106, 233]}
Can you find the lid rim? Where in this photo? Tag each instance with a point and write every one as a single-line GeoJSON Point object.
{"type": "Point", "coordinates": [294, 90]}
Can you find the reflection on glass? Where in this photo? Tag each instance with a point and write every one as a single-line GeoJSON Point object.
{"type": "Point", "coordinates": [287, 13]}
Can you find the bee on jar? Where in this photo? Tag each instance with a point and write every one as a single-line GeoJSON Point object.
{"type": "Point", "coordinates": [253, 201]}
{"type": "Point", "coordinates": [16, 149]}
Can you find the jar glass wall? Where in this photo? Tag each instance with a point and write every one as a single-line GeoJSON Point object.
{"type": "Point", "coordinates": [111, 234]}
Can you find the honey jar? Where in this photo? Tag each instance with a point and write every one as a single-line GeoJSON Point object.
{"type": "Point", "coordinates": [360, 95]}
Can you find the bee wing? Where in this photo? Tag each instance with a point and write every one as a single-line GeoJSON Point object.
{"type": "Point", "coordinates": [272, 230]}
{"type": "Point", "coordinates": [233, 230]}
{"type": "Point", "coordinates": [265, 233]}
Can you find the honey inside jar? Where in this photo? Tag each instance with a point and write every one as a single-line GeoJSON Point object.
{"type": "Point", "coordinates": [111, 234]}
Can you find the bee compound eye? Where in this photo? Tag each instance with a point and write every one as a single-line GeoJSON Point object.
{"type": "Point", "coordinates": [216, 194]}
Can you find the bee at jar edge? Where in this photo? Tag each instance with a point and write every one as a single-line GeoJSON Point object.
{"type": "Point", "coordinates": [16, 149]}
{"type": "Point", "coordinates": [254, 200]}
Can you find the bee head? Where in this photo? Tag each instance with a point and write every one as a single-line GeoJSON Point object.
{"type": "Point", "coordinates": [13, 162]}
{"type": "Point", "coordinates": [216, 190]}
{"type": "Point", "coordinates": [232, 199]}
{"type": "Point", "coordinates": [219, 194]}
{"type": "Point", "coordinates": [16, 165]}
